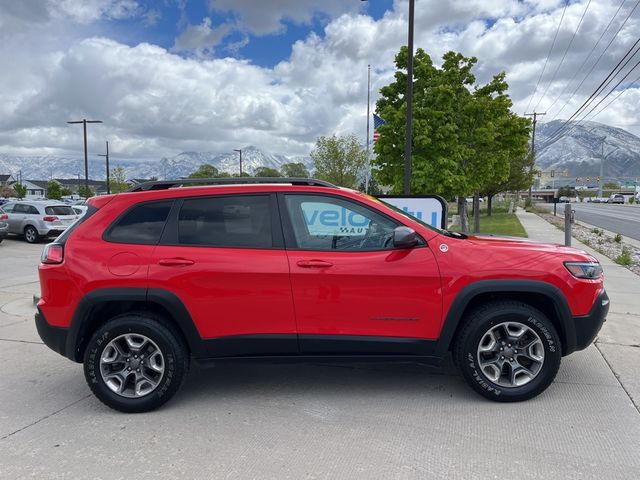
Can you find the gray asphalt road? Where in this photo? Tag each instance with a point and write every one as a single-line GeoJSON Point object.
{"type": "Point", "coordinates": [300, 421]}
{"type": "Point", "coordinates": [622, 219]}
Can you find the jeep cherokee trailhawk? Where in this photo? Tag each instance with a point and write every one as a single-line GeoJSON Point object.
{"type": "Point", "coordinates": [149, 280]}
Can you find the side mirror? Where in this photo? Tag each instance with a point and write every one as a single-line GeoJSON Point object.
{"type": "Point", "coordinates": [404, 237]}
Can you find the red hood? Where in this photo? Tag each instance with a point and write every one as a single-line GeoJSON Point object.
{"type": "Point", "coordinates": [525, 243]}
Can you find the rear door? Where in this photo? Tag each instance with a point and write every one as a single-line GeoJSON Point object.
{"type": "Point", "coordinates": [353, 291]}
{"type": "Point", "coordinates": [223, 256]}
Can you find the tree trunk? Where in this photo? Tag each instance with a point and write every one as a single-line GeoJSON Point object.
{"type": "Point", "coordinates": [489, 204]}
{"type": "Point", "coordinates": [476, 212]}
{"type": "Point", "coordinates": [462, 213]}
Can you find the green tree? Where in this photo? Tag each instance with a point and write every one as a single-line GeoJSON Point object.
{"type": "Point", "coordinates": [118, 180]}
{"type": "Point", "coordinates": [65, 192]}
{"type": "Point", "coordinates": [53, 191]}
{"type": "Point", "coordinates": [464, 134]}
{"type": "Point", "coordinates": [611, 186]}
{"type": "Point", "coordinates": [85, 192]}
{"type": "Point", "coordinates": [295, 170]}
{"type": "Point", "coordinates": [266, 172]}
{"type": "Point", "coordinates": [20, 190]}
{"type": "Point", "coordinates": [205, 171]}
{"type": "Point", "coordinates": [339, 160]}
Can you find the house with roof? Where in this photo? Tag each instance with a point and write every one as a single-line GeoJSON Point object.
{"type": "Point", "coordinates": [6, 180]}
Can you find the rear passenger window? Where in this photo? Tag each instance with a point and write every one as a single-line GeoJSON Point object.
{"type": "Point", "coordinates": [59, 210]}
{"type": "Point", "coordinates": [142, 224]}
{"type": "Point", "coordinates": [238, 221]}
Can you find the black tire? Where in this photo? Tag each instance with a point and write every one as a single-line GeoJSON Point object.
{"type": "Point", "coordinates": [494, 314]}
{"type": "Point", "coordinates": [166, 338]}
{"type": "Point", "coordinates": [31, 235]}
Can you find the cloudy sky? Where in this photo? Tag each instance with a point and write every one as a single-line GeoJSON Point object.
{"type": "Point", "coordinates": [167, 76]}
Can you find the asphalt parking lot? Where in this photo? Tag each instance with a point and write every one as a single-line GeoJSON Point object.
{"type": "Point", "coordinates": [303, 421]}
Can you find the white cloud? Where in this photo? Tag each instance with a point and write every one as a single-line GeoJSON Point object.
{"type": "Point", "coordinates": [155, 102]}
{"type": "Point", "coordinates": [268, 17]}
{"type": "Point", "coordinates": [201, 39]}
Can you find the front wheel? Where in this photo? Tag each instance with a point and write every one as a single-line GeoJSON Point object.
{"type": "Point", "coordinates": [508, 351]}
{"type": "Point", "coordinates": [135, 362]}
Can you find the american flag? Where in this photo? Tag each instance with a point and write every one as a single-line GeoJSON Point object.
{"type": "Point", "coordinates": [377, 122]}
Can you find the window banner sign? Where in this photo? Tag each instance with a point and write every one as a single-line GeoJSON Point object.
{"type": "Point", "coordinates": [431, 209]}
{"type": "Point", "coordinates": [333, 220]}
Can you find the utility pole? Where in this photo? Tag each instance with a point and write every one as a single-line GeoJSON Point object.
{"type": "Point", "coordinates": [107, 159]}
{"type": "Point", "coordinates": [239, 150]}
{"type": "Point", "coordinates": [409, 129]}
{"type": "Point", "coordinates": [368, 167]}
{"type": "Point", "coordinates": [84, 122]}
{"type": "Point", "coordinates": [533, 143]}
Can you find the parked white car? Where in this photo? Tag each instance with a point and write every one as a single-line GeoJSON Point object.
{"type": "Point", "coordinates": [36, 219]}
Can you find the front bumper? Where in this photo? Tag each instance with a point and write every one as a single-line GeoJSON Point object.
{"type": "Point", "coordinates": [53, 337]}
{"type": "Point", "coordinates": [588, 326]}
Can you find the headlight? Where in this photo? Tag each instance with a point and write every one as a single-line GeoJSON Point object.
{"type": "Point", "coordinates": [590, 270]}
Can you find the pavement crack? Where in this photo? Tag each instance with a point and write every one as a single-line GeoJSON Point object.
{"type": "Point", "coordinates": [19, 341]}
{"type": "Point", "coordinates": [618, 379]}
{"type": "Point", "coordinates": [632, 345]}
{"type": "Point", "coordinates": [45, 417]}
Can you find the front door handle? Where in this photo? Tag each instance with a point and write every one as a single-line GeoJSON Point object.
{"type": "Point", "coordinates": [314, 264]}
{"type": "Point", "coordinates": [175, 262]}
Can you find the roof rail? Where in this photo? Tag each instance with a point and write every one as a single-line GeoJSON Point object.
{"type": "Point", "coordinates": [167, 184]}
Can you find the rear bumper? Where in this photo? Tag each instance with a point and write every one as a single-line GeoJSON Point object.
{"type": "Point", "coordinates": [588, 326]}
{"type": "Point", "coordinates": [53, 337]}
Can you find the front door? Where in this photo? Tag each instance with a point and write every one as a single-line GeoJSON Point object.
{"type": "Point", "coordinates": [354, 293]}
{"type": "Point", "coordinates": [223, 256]}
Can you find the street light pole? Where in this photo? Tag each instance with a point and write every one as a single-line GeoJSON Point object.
{"type": "Point", "coordinates": [409, 129]}
{"type": "Point", "coordinates": [239, 150]}
{"type": "Point", "coordinates": [107, 160]}
{"type": "Point", "coordinates": [409, 98]}
{"type": "Point", "coordinates": [84, 122]}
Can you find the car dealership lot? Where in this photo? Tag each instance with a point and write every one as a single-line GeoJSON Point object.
{"type": "Point", "coordinates": [304, 421]}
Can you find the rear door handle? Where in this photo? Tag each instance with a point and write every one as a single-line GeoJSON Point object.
{"type": "Point", "coordinates": [175, 262]}
{"type": "Point", "coordinates": [314, 264]}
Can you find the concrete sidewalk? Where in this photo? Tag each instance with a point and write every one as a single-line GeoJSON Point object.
{"type": "Point", "coordinates": [619, 339]}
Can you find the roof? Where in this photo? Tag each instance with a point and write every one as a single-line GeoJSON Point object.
{"type": "Point", "coordinates": [4, 178]}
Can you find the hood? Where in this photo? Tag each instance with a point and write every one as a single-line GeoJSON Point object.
{"type": "Point", "coordinates": [491, 241]}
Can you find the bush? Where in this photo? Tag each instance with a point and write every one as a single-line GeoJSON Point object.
{"type": "Point", "coordinates": [617, 238]}
{"type": "Point", "coordinates": [624, 258]}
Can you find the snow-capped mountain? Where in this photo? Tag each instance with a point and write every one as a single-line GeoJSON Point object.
{"type": "Point", "coordinates": [44, 167]}
{"type": "Point", "coordinates": [581, 149]}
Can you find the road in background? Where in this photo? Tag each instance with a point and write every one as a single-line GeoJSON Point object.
{"type": "Point", "coordinates": [622, 219]}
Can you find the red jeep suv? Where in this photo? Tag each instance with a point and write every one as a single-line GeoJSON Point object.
{"type": "Point", "coordinates": [149, 280]}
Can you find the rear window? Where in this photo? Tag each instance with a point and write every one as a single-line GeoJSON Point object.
{"type": "Point", "coordinates": [59, 210]}
{"type": "Point", "coordinates": [142, 224]}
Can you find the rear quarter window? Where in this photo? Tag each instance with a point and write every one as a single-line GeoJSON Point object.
{"type": "Point", "coordinates": [142, 224]}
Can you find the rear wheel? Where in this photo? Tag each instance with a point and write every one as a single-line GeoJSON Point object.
{"type": "Point", "coordinates": [31, 234]}
{"type": "Point", "coordinates": [508, 351]}
{"type": "Point", "coordinates": [135, 362]}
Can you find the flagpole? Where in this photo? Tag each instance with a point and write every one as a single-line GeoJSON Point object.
{"type": "Point", "coordinates": [368, 166]}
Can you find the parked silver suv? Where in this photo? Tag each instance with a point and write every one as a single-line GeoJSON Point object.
{"type": "Point", "coordinates": [36, 219]}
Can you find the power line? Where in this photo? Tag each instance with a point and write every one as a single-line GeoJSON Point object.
{"type": "Point", "coordinates": [586, 58]}
{"type": "Point", "coordinates": [548, 55]}
{"type": "Point", "coordinates": [554, 139]}
{"type": "Point", "coordinates": [615, 35]}
{"type": "Point", "coordinates": [617, 69]}
{"type": "Point", "coordinates": [564, 55]}
{"type": "Point", "coordinates": [613, 100]}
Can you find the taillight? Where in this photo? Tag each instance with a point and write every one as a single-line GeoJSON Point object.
{"type": "Point", "coordinates": [4, 216]}
{"type": "Point", "coordinates": [52, 253]}
{"type": "Point", "coordinates": [50, 218]}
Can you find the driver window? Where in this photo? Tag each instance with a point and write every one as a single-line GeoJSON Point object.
{"type": "Point", "coordinates": [326, 223]}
